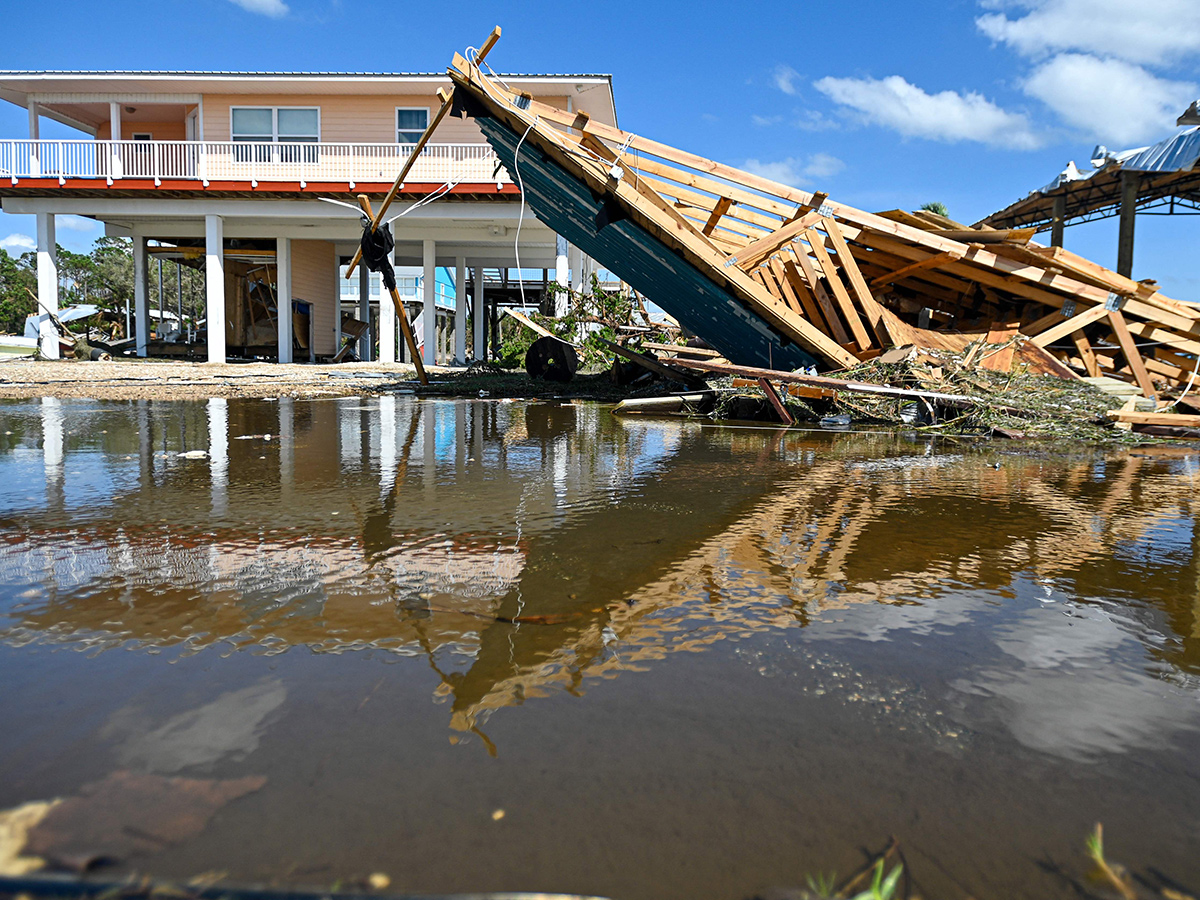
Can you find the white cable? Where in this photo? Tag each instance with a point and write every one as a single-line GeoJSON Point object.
{"type": "Point", "coordinates": [521, 216]}
{"type": "Point", "coordinates": [1191, 381]}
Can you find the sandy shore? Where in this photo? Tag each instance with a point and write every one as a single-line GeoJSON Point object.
{"type": "Point", "coordinates": [173, 380]}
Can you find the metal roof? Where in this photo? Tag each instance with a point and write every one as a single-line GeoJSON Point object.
{"type": "Point", "coordinates": [1170, 167]}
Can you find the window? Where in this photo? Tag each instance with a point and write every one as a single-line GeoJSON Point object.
{"type": "Point", "coordinates": [411, 124]}
{"type": "Point", "coordinates": [276, 125]}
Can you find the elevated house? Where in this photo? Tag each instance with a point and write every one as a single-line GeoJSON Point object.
{"type": "Point", "coordinates": [227, 171]}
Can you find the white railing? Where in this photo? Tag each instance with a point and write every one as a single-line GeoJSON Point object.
{"type": "Point", "coordinates": [246, 161]}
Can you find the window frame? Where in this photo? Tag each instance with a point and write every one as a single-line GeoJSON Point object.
{"type": "Point", "coordinates": [398, 129]}
{"type": "Point", "coordinates": [303, 150]}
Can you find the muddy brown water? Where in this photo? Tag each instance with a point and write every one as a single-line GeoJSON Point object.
{"type": "Point", "coordinates": [683, 661]}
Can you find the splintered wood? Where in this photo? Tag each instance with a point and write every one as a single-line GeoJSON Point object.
{"type": "Point", "coordinates": [846, 285]}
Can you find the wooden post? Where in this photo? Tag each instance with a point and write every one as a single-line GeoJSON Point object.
{"type": "Point", "coordinates": [776, 401]}
{"type": "Point", "coordinates": [1057, 221]}
{"type": "Point", "coordinates": [1129, 192]}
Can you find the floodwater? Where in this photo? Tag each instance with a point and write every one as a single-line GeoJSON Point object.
{"type": "Point", "coordinates": [481, 645]}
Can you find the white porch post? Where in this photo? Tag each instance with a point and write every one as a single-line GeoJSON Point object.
{"type": "Point", "coordinates": [35, 164]}
{"type": "Point", "coordinates": [47, 279]}
{"type": "Point", "coordinates": [460, 310]}
{"type": "Point", "coordinates": [387, 320]}
{"type": "Point", "coordinates": [114, 118]}
{"type": "Point", "coordinates": [283, 296]}
{"type": "Point", "coordinates": [428, 317]}
{"type": "Point", "coordinates": [477, 311]}
{"type": "Point", "coordinates": [576, 258]}
{"type": "Point", "coordinates": [141, 294]}
{"type": "Point", "coordinates": [562, 275]}
{"type": "Point", "coordinates": [214, 276]}
{"type": "Point", "coordinates": [365, 344]}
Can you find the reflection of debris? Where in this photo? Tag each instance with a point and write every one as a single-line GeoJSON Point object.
{"type": "Point", "coordinates": [230, 725]}
{"type": "Point", "coordinates": [128, 814]}
{"type": "Point", "coordinates": [15, 825]}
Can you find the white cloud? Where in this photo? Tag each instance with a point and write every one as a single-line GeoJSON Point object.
{"type": "Point", "coordinates": [785, 78]}
{"type": "Point", "coordinates": [76, 223]}
{"type": "Point", "coordinates": [1146, 31]}
{"type": "Point", "coordinates": [276, 9]}
{"type": "Point", "coordinates": [16, 244]}
{"type": "Point", "coordinates": [764, 121]}
{"type": "Point", "coordinates": [823, 165]}
{"type": "Point", "coordinates": [946, 116]}
{"type": "Point", "coordinates": [796, 171]}
{"type": "Point", "coordinates": [1108, 99]}
{"type": "Point", "coordinates": [812, 120]}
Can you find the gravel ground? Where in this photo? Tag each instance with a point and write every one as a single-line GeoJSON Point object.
{"type": "Point", "coordinates": [173, 380]}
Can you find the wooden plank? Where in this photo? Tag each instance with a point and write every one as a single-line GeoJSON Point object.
{"type": "Point", "coordinates": [789, 292]}
{"type": "Point", "coordinates": [532, 325]}
{"type": "Point", "coordinates": [1177, 420]}
{"type": "Point", "coordinates": [1086, 353]}
{"type": "Point", "coordinates": [1067, 326]}
{"type": "Point", "coordinates": [777, 402]}
{"type": "Point", "coordinates": [651, 364]}
{"type": "Point", "coordinates": [861, 338]}
{"type": "Point", "coordinates": [719, 210]}
{"type": "Point", "coordinates": [1131, 353]}
{"type": "Point", "coordinates": [698, 352]}
{"type": "Point", "coordinates": [755, 252]}
{"type": "Point", "coordinates": [791, 278]}
{"type": "Point", "coordinates": [931, 262]}
{"type": "Point", "coordinates": [827, 308]}
{"type": "Point", "coordinates": [858, 284]}
{"type": "Point", "coordinates": [958, 401]}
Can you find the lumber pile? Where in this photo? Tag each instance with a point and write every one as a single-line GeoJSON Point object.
{"type": "Point", "coordinates": [842, 284]}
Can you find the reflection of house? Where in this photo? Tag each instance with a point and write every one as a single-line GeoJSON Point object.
{"type": "Point", "coordinates": [226, 164]}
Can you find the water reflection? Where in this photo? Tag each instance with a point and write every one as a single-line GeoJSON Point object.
{"type": "Point", "coordinates": [522, 548]}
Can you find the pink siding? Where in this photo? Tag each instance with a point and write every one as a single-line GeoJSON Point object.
{"type": "Point", "coordinates": [159, 131]}
{"type": "Point", "coordinates": [366, 119]}
{"type": "Point", "coordinates": [314, 279]}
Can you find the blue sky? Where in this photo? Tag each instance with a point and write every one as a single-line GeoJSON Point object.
{"type": "Point", "coordinates": [881, 104]}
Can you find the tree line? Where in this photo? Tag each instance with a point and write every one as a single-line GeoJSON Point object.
{"type": "Point", "coordinates": [104, 277]}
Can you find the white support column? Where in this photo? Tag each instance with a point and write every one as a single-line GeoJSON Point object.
{"type": "Point", "coordinates": [214, 276]}
{"type": "Point", "coordinates": [114, 118]}
{"type": "Point", "coordinates": [141, 294]}
{"type": "Point", "coordinates": [35, 164]}
{"type": "Point", "coordinates": [283, 296]}
{"type": "Point", "coordinates": [477, 313]}
{"type": "Point", "coordinates": [47, 279]}
{"type": "Point", "coordinates": [562, 275]}
{"type": "Point", "coordinates": [575, 255]}
{"type": "Point", "coordinates": [460, 311]}
{"type": "Point", "coordinates": [428, 317]}
{"type": "Point", "coordinates": [366, 342]}
{"type": "Point", "coordinates": [387, 321]}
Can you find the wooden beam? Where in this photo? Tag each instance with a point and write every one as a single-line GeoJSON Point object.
{"type": "Point", "coordinates": [827, 308]}
{"type": "Point", "coordinates": [1131, 353]}
{"type": "Point", "coordinates": [777, 402]}
{"type": "Point", "coordinates": [861, 338]}
{"type": "Point", "coordinates": [931, 262]}
{"type": "Point", "coordinates": [858, 284]}
{"type": "Point", "coordinates": [1086, 353]}
{"type": "Point", "coordinates": [790, 279]}
{"type": "Point", "coordinates": [1069, 326]}
{"type": "Point", "coordinates": [1178, 420]}
{"type": "Point", "coordinates": [447, 98]}
{"type": "Point", "coordinates": [755, 252]}
{"type": "Point", "coordinates": [719, 210]}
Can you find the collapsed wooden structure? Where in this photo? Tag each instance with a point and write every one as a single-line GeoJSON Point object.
{"type": "Point", "coordinates": [777, 277]}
